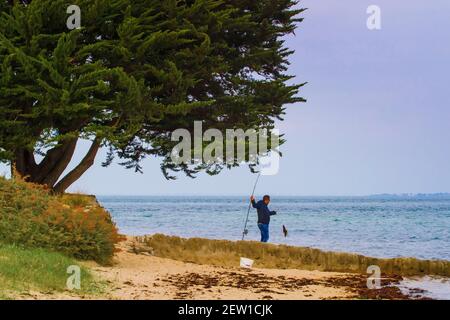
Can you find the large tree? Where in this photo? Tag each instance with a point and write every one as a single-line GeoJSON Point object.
{"type": "Point", "coordinates": [135, 71]}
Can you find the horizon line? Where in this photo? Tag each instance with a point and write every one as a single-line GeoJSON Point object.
{"type": "Point", "coordinates": [405, 194]}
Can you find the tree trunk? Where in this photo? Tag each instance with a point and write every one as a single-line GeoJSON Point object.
{"type": "Point", "coordinates": [24, 163]}
{"type": "Point", "coordinates": [80, 169]}
{"type": "Point", "coordinates": [50, 169]}
{"type": "Point", "coordinates": [54, 163]}
{"type": "Point", "coordinates": [60, 164]}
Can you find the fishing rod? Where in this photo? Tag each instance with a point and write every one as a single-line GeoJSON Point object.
{"type": "Point", "coordinates": [244, 233]}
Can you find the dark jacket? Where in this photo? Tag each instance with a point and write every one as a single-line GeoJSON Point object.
{"type": "Point", "coordinates": [263, 211]}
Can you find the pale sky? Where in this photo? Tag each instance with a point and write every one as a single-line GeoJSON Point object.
{"type": "Point", "coordinates": [377, 118]}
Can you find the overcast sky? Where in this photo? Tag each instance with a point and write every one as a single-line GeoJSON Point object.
{"type": "Point", "coordinates": [377, 118]}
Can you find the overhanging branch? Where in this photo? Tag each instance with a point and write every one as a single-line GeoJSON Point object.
{"type": "Point", "coordinates": [81, 168]}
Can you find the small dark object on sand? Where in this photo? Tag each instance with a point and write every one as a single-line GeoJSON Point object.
{"type": "Point", "coordinates": [285, 231]}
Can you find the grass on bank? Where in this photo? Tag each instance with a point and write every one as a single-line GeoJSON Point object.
{"type": "Point", "coordinates": [24, 270]}
{"type": "Point", "coordinates": [227, 253]}
{"type": "Point", "coordinates": [42, 234]}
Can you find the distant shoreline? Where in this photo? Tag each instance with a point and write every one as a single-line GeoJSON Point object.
{"type": "Point", "coordinates": [438, 196]}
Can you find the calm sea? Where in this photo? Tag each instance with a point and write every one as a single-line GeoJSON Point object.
{"type": "Point", "coordinates": [379, 227]}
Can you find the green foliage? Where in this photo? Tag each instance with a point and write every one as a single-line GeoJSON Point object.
{"type": "Point", "coordinates": [137, 70]}
{"type": "Point", "coordinates": [31, 217]}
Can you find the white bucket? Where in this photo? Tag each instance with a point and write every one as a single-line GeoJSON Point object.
{"type": "Point", "coordinates": [246, 262]}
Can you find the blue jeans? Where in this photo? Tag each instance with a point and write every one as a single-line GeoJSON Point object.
{"type": "Point", "coordinates": [264, 228]}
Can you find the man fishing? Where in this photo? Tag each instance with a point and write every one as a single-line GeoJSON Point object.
{"type": "Point", "coordinates": [263, 215]}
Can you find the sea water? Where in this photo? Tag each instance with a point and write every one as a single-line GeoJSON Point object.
{"type": "Point", "coordinates": [385, 227]}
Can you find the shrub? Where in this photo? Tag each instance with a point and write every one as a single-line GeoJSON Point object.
{"type": "Point", "coordinates": [75, 225]}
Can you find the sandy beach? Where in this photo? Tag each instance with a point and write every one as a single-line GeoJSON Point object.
{"type": "Point", "coordinates": [140, 276]}
{"type": "Point", "coordinates": [144, 276]}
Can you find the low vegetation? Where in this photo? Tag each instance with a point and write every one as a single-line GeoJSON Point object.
{"type": "Point", "coordinates": [25, 270]}
{"type": "Point", "coordinates": [227, 253]}
{"type": "Point", "coordinates": [75, 225]}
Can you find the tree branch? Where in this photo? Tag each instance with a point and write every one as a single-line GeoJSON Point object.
{"type": "Point", "coordinates": [61, 164]}
{"type": "Point", "coordinates": [54, 163]}
{"type": "Point", "coordinates": [81, 168]}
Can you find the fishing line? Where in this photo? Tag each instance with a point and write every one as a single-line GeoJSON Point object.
{"type": "Point", "coordinates": [244, 233]}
